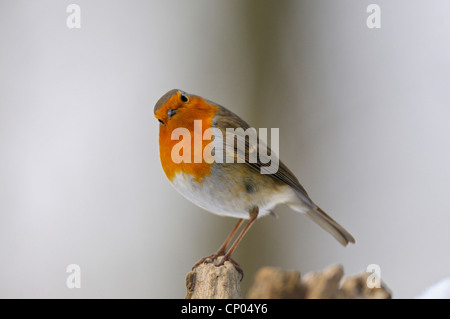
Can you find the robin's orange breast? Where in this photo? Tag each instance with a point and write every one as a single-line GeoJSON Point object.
{"type": "Point", "coordinates": [185, 118]}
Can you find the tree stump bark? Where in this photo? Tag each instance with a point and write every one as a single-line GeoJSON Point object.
{"type": "Point", "coordinates": [275, 283]}
{"type": "Point", "coordinates": [210, 282]}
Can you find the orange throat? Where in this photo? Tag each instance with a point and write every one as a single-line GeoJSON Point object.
{"type": "Point", "coordinates": [169, 145]}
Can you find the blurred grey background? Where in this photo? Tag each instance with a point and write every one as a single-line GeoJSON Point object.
{"type": "Point", "coordinates": [364, 123]}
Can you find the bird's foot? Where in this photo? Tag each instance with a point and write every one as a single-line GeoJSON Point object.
{"type": "Point", "coordinates": [220, 262]}
{"type": "Point", "coordinates": [207, 260]}
{"type": "Point", "coordinates": [234, 263]}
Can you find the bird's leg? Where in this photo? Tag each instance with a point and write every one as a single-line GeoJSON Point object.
{"type": "Point", "coordinates": [222, 250]}
{"type": "Point", "coordinates": [227, 257]}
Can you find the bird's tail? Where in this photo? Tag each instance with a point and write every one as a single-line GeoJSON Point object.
{"type": "Point", "coordinates": [331, 226]}
{"type": "Point", "coordinates": [326, 222]}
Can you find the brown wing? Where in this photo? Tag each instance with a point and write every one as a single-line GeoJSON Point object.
{"type": "Point", "coordinates": [227, 119]}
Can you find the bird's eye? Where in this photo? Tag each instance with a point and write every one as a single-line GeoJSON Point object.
{"type": "Point", "coordinates": [183, 98]}
{"type": "Point", "coordinates": [171, 112]}
{"type": "Point", "coordinates": [161, 122]}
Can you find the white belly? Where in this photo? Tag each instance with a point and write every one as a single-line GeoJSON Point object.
{"type": "Point", "coordinates": [216, 198]}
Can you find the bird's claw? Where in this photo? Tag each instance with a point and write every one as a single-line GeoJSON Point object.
{"type": "Point", "coordinates": [220, 262]}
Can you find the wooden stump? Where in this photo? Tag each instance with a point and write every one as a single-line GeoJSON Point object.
{"type": "Point", "coordinates": [210, 282]}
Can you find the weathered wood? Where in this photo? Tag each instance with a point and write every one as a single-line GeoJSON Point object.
{"type": "Point", "coordinates": [323, 284]}
{"type": "Point", "coordinates": [208, 281]}
{"type": "Point", "coordinates": [355, 287]}
{"type": "Point", "coordinates": [275, 283]}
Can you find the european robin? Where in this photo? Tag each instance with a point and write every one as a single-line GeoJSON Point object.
{"type": "Point", "coordinates": [236, 188]}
